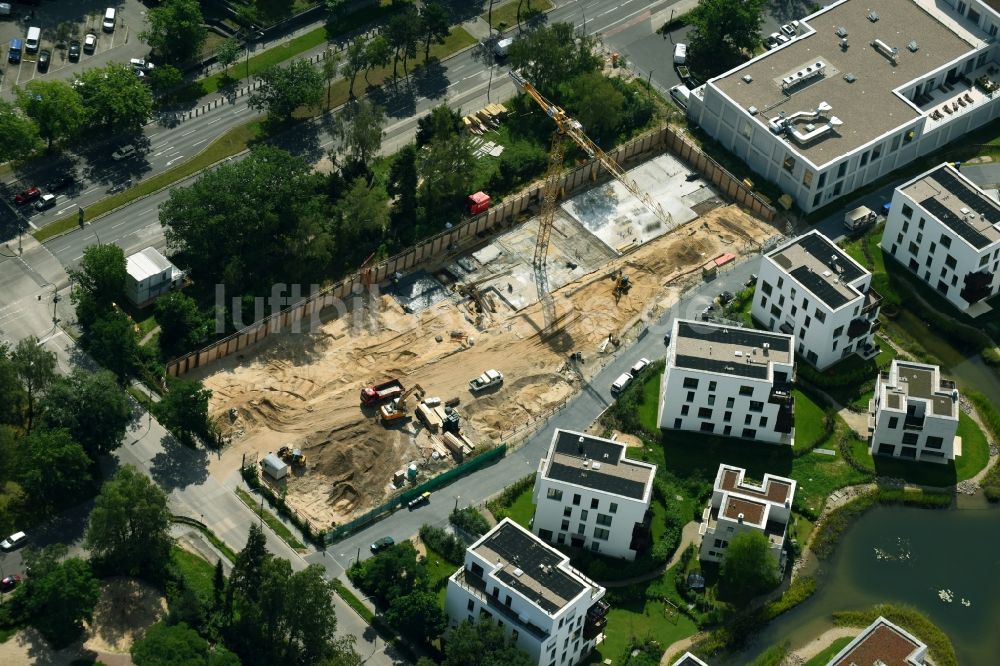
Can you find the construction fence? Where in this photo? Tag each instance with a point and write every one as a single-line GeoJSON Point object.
{"type": "Point", "coordinates": [504, 215]}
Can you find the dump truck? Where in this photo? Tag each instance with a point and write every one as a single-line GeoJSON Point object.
{"type": "Point", "coordinates": [488, 379]}
{"type": "Point", "coordinates": [379, 393]}
{"type": "Point", "coordinates": [859, 218]}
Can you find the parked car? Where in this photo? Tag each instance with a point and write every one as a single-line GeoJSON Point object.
{"type": "Point", "coordinates": [383, 543]}
{"type": "Point", "coordinates": [488, 379]}
{"type": "Point", "coordinates": [680, 53]}
{"type": "Point", "coordinates": [666, 340]}
{"type": "Point", "coordinates": [124, 153]}
{"type": "Point", "coordinates": [422, 498]}
{"type": "Point", "coordinates": [15, 540]}
{"type": "Point", "coordinates": [27, 196]}
{"type": "Point", "coordinates": [90, 43]}
{"type": "Point", "coordinates": [73, 53]}
{"type": "Point", "coordinates": [59, 182]}
{"type": "Point", "coordinates": [639, 366]}
{"type": "Point", "coordinates": [44, 60]}
{"type": "Point", "coordinates": [140, 63]}
{"type": "Point", "coordinates": [619, 384]}
{"type": "Point", "coordinates": [45, 202]}
{"type": "Point", "coordinates": [8, 583]}
{"type": "Point", "coordinates": [790, 28]}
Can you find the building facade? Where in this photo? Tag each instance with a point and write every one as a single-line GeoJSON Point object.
{"type": "Point", "coordinates": [863, 88]}
{"type": "Point", "coordinates": [510, 577]}
{"type": "Point", "coordinates": [914, 414]}
{"type": "Point", "coordinates": [149, 275]}
{"type": "Point", "coordinates": [734, 382]}
{"type": "Point", "coordinates": [882, 642]}
{"type": "Point", "coordinates": [943, 228]}
{"type": "Point", "coordinates": [814, 290]}
{"type": "Point", "coordinates": [740, 506]}
{"type": "Point", "coordinates": [588, 494]}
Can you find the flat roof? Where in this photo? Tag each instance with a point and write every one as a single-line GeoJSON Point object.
{"type": "Point", "coordinates": [821, 267]}
{"type": "Point", "coordinates": [958, 204]}
{"type": "Point", "coordinates": [752, 512]}
{"type": "Point", "coordinates": [867, 107]}
{"type": "Point", "coordinates": [146, 263]}
{"type": "Point", "coordinates": [776, 490]}
{"type": "Point", "coordinates": [881, 642]}
{"type": "Point", "coordinates": [729, 350]}
{"type": "Point", "coordinates": [530, 566]}
{"type": "Point", "coordinates": [916, 380]}
{"type": "Point", "coordinates": [597, 463]}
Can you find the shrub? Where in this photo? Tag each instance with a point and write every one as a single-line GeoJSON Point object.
{"type": "Point", "coordinates": [470, 520]}
{"type": "Point", "coordinates": [509, 495]}
{"type": "Point", "coordinates": [801, 589]}
{"type": "Point", "coordinates": [443, 543]}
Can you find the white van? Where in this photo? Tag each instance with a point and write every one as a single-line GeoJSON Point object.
{"type": "Point", "coordinates": [32, 40]}
{"type": "Point", "coordinates": [619, 384]}
{"type": "Point", "coordinates": [681, 94]}
{"type": "Point", "coordinates": [680, 54]}
{"type": "Point", "coordinates": [109, 20]}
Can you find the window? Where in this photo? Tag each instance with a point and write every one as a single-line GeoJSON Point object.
{"type": "Point", "coordinates": [807, 178]}
{"type": "Point", "coordinates": [477, 570]}
{"type": "Point", "coordinates": [817, 198]}
{"type": "Point", "coordinates": [893, 422]}
{"type": "Point", "coordinates": [763, 422]}
{"type": "Point", "coordinates": [545, 535]}
{"type": "Point", "coordinates": [781, 281]}
{"type": "Point", "coordinates": [580, 528]}
{"type": "Point", "coordinates": [913, 249]}
{"type": "Point", "coordinates": [945, 241]}
{"type": "Point", "coordinates": [471, 605]}
{"type": "Point", "coordinates": [614, 508]}
{"type": "Point", "coordinates": [685, 409]}
{"type": "Point", "coordinates": [756, 406]}
{"type": "Point", "coordinates": [749, 433]}
{"type": "Point", "coordinates": [712, 385]}
{"type": "Point", "coordinates": [746, 419]}
{"type": "Point", "coordinates": [920, 223]}
{"type": "Point", "coordinates": [576, 500]}
{"type": "Point", "coordinates": [567, 512]}
{"type": "Point", "coordinates": [820, 317]}
{"type": "Point", "coordinates": [812, 357]}
{"type": "Point", "coordinates": [837, 332]}
{"type": "Point", "coordinates": [789, 163]}
{"type": "Point", "coordinates": [942, 287]}
{"type": "Point", "coordinates": [727, 431]}
{"type": "Point", "coordinates": [794, 310]}
{"type": "Point", "coordinates": [834, 348]}
{"type": "Point", "coordinates": [934, 442]}
{"type": "Point", "coordinates": [841, 170]}
{"type": "Point", "coordinates": [690, 383]}
{"type": "Point", "coordinates": [730, 401]}
{"type": "Point", "coordinates": [802, 332]}
{"type": "Point", "coordinates": [601, 533]}
{"type": "Point", "coordinates": [711, 400]}
{"type": "Point", "coordinates": [707, 426]}
{"type": "Point", "coordinates": [766, 288]}
{"type": "Point", "coordinates": [746, 390]}
{"type": "Point", "coordinates": [690, 396]}
{"type": "Point", "coordinates": [950, 262]}
{"type": "Point", "coordinates": [727, 417]}
{"type": "Point", "coordinates": [677, 424]}
{"type": "Point", "coordinates": [807, 321]}
{"type": "Point", "coordinates": [775, 311]}
{"type": "Point", "coordinates": [554, 494]}
{"type": "Point", "coordinates": [838, 188]}
{"type": "Point", "coordinates": [704, 413]}
{"type": "Point", "coordinates": [910, 438]}
{"type": "Point", "coordinates": [564, 526]}
{"type": "Point", "coordinates": [594, 503]}
{"type": "Point", "coordinates": [781, 301]}
{"type": "Point", "coordinates": [894, 145]}
{"type": "Point", "coordinates": [805, 303]}
{"type": "Point", "coordinates": [718, 543]}
{"type": "Point", "coordinates": [984, 259]}
{"type": "Point", "coordinates": [584, 514]}
{"type": "Point", "coordinates": [876, 152]}
{"type": "Point", "coordinates": [594, 546]}
{"type": "Point", "coordinates": [604, 519]}
{"type": "Point", "coordinates": [561, 539]}
{"type": "Point", "coordinates": [864, 158]}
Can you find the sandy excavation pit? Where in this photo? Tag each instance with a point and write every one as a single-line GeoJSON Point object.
{"type": "Point", "coordinates": [302, 390]}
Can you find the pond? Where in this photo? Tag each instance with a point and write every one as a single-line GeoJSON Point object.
{"type": "Point", "coordinates": [904, 555]}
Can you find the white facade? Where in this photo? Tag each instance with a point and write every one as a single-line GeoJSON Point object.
{"type": "Point", "coordinates": [914, 414]}
{"type": "Point", "coordinates": [552, 611]}
{"type": "Point", "coordinates": [882, 642]}
{"type": "Point", "coordinates": [864, 88]}
{"type": "Point", "coordinates": [589, 495]}
{"type": "Point", "coordinates": [734, 382]}
{"type": "Point", "coordinates": [149, 274]}
{"type": "Point", "coordinates": [941, 227]}
{"type": "Point", "coordinates": [739, 506]}
{"type": "Point", "coordinates": [814, 290]}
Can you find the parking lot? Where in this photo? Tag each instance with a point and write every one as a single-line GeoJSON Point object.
{"type": "Point", "coordinates": [68, 20]}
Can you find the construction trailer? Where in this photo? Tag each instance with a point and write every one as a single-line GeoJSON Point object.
{"type": "Point", "coordinates": [274, 467]}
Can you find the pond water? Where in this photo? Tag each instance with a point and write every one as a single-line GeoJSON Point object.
{"type": "Point", "coordinates": [906, 555]}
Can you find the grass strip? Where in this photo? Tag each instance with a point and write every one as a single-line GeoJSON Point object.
{"type": "Point", "coordinates": [228, 552]}
{"type": "Point", "coordinates": [271, 520]}
{"type": "Point", "coordinates": [232, 142]}
{"type": "Point", "coordinates": [506, 14]}
{"type": "Point", "coordinates": [198, 573]}
{"type": "Point", "coordinates": [352, 600]}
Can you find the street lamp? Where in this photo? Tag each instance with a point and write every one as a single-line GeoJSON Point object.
{"type": "Point", "coordinates": [457, 497]}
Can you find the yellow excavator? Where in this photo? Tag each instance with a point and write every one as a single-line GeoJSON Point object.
{"type": "Point", "coordinates": [397, 409]}
{"type": "Point", "coordinates": [292, 456]}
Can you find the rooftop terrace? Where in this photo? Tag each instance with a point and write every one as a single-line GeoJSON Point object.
{"type": "Point", "coordinates": [958, 204]}
{"type": "Point", "coordinates": [597, 463]}
{"type": "Point", "coordinates": [821, 267]}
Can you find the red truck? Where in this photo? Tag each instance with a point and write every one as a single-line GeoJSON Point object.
{"type": "Point", "coordinates": [379, 393]}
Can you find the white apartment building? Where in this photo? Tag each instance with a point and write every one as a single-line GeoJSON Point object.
{"type": "Point", "coordinates": [914, 414]}
{"type": "Point", "coordinates": [814, 290]}
{"type": "Point", "coordinates": [864, 88]}
{"type": "Point", "coordinates": [551, 611]}
{"type": "Point", "coordinates": [734, 382]}
{"type": "Point", "coordinates": [740, 506]}
{"type": "Point", "coordinates": [148, 275]}
{"type": "Point", "coordinates": [882, 642]}
{"type": "Point", "coordinates": [589, 495]}
{"type": "Point", "coordinates": [944, 229]}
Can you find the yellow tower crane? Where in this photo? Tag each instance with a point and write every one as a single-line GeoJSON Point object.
{"type": "Point", "coordinates": [568, 127]}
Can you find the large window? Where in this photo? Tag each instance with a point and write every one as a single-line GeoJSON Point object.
{"type": "Point", "coordinates": [604, 519]}
{"type": "Point", "coordinates": [601, 533]}
{"type": "Point", "coordinates": [690, 383]}
{"type": "Point", "coordinates": [554, 494]}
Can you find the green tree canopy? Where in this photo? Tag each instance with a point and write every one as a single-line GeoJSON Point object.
{"type": "Point", "coordinates": [55, 106]}
{"type": "Point", "coordinates": [129, 530]}
{"type": "Point", "coordinates": [748, 567]}
{"type": "Point", "coordinates": [14, 395]}
{"type": "Point", "coordinates": [442, 123]}
{"type": "Point", "coordinates": [164, 79]}
{"type": "Point", "coordinates": [113, 342]}
{"type": "Point", "coordinates": [228, 53]}
{"type": "Point", "coordinates": [403, 33]}
{"type": "Point", "coordinates": [436, 24]}
{"type": "Point", "coordinates": [58, 596]}
{"type": "Point", "coordinates": [19, 132]}
{"type": "Point", "coordinates": [184, 408]}
{"type": "Point", "coordinates": [359, 128]}
{"type": "Point", "coordinates": [403, 186]}
{"type": "Point", "coordinates": [354, 62]}
{"type": "Point", "coordinates": [116, 98]}
{"type": "Point", "coordinates": [418, 615]}
{"type": "Point", "coordinates": [394, 572]}
{"type": "Point", "coordinates": [176, 31]}
{"type": "Point", "coordinates": [284, 89]}
{"type": "Point", "coordinates": [482, 644]}
{"type": "Point", "coordinates": [447, 167]}
{"type": "Point", "coordinates": [101, 275]}
{"type": "Point", "coordinates": [54, 468]}
{"type": "Point", "coordinates": [598, 106]}
{"type": "Point", "coordinates": [723, 31]}
{"type": "Point", "coordinates": [182, 325]}
{"type": "Point", "coordinates": [91, 406]}
{"type": "Point", "coordinates": [36, 368]}
{"type": "Point", "coordinates": [378, 53]}
{"type": "Point", "coordinates": [364, 211]}
{"type": "Point", "coordinates": [177, 645]}
{"type": "Point", "coordinates": [551, 55]}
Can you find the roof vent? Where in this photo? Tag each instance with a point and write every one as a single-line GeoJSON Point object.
{"type": "Point", "coordinates": [518, 572]}
{"type": "Point", "coordinates": [739, 518]}
{"type": "Point", "coordinates": [752, 110]}
{"type": "Point", "coordinates": [850, 78]}
{"type": "Point", "coordinates": [747, 78]}
{"type": "Point", "coordinates": [913, 46]}
{"type": "Point", "coordinates": [873, 16]}
{"type": "Point", "coordinates": [738, 353]}
{"type": "Point", "coordinates": [965, 211]}
{"type": "Point", "coordinates": [841, 31]}
{"type": "Point", "coordinates": [827, 273]}
{"type": "Point", "coordinates": [766, 345]}
{"type": "Point", "coordinates": [597, 465]}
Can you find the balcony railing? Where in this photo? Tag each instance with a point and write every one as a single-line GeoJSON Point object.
{"type": "Point", "coordinates": [872, 300]}
{"type": "Point", "coordinates": [477, 587]}
{"type": "Point", "coordinates": [913, 424]}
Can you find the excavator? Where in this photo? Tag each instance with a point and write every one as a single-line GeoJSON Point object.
{"type": "Point", "coordinates": [622, 285]}
{"type": "Point", "coordinates": [292, 456]}
{"type": "Point", "coordinates": [397, 409]}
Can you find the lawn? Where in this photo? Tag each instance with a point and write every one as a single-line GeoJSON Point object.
{"type": "Point", "coordinates": [808, 421]}
{"type": "Point", "coordinates": [197, 571]}
{"type": "Point", "coordinates": [506, 14]}
{"type": "Point", "coordinates": [522, 510]}
{"type": "Point", "coordinates": [975, 455]}
{"type": "Point", "coordinates": [633, 615]}
{"type": "Point", "coordinates": [826, 655]}
{"type": "Point", "coordinates": [270, 519]}
{"type": "Point", "coordinates": [649, 402]}
{"type": "Point", "coordinates": [438, 571]}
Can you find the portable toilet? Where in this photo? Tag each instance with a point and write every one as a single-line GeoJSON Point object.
{"type": "Point", "coordinates": [274, 466]}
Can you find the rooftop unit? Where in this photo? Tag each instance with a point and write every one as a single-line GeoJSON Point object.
{"type": "Point", "coordinates": [809, 72]}
{"type": "Point", "coordinates": [889, 52]}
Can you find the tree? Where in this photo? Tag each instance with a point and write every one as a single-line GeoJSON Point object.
{"type": "Point", "coordinates": [164, 79]}
{"type": "Point", "coordinates": [354, 62]}
{"type": "Point", "coordinates": [36, 368]}
{"type": "Point", "coordinates": [19, 132]}
{"type": "Point", "coordinates": [102, 274]}
{"type": "Point", "coordinates": [176, 31]}
{"type": "Point", "coordinates": [58, 596]}
{"type": "Point", "coordinates": [482, 644]}
{"type": "Point", "coordinates": [331, 62]}
{"type": "Point", "coordinates": [748, 566]}
{"type": "Point", "coordinates": [364, 210]}
{"type": "Point", "coordinates": [441, 123]}
{"type": "Point", "coordinates": [56, 108]}
{"type": "Point", "coordinates": [182, 324]}
{"type": "Point", "coordinates": [184, 408]}
{"type": "Point", "coordinates": [177, 645]}
{"type": "Point", "coordinates": [311, 619]}
{"type": "Point", "coordinates": [129, 529]}
{"type": "Point", "coordinates": [11, 388]}
{"type": "Point", "coordinates": [218, 586]}
{"type": "Point", "coordinates": [284, 89]}
{"type": "Point", "coordinates": [248, 569]}
{"type": "Point", "coordinates": [228, 52]}
{"type": "Point", "coordinates": [402, 34]}
{"type": "Point", "coordinates": [394, 572]}
{"type": "Point", "coordinates": [271, 11]}
{"type": "Point", "coordinates": [403, 186]}
{"type": "Point", "coordinates": [91, 406]}
{"type": "Point", "coordinates": [54, 468]}
{"type": "Point", "coordinates": [359, 128]}
{"type": "Point", "coordinates": [418, 615]}
{"type": "Point", "coordinates": [436, 24]}
{"type": "Point", "coordinates": [598, 105]}
{"type": "Point", "coordinates": [447, 167]}
{"type": "Point", "coordinates": [118, 100]}
{"type": "Point", "coordinates": [112, 340]}
{"type": "Point", "coordinates": [551, 55]}
{"type": "Point", "coordinates": [722, 30]}
{"type": "Point", "coordinates": [378, 53]}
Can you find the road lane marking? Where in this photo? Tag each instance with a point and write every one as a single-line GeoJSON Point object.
{"type": "Point", "coordinates": [89, 191]}
{"type": "Point", "coordinates": [179, 157]}
{"type": "Point", "coordinates": [199, 143]}
{"type": "Point", "coordinates": [148, 210]}
{"type": "Point", "coordinates": [115, 226]}
{"type": "Point", "coordinates": [214, 121]}
{"type": "Point", "coordinates": [189, 132]}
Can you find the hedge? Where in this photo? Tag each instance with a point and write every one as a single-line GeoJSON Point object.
{"type": "Point", "coordinates": [509, 495]}
{"type": "Point", "coordinates": [447, 545]}
{"type": "Point", "coordinates": [470, 520]}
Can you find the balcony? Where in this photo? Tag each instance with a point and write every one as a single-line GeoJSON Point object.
{"type": "Point", "coordinates": [597, 619]}
{"type": "Point", "coordinates": [476, 586]}
{"type": "Point", "coordinates": [873, 300]}
{"type": "Point", "coordinates": [784, 422]}
{"type": "Point", "coordinates": [914, 423]}
{"type": "Point", "coordinates": [946, 385]}
{"type": "Point", "coordinates": [781, 394]}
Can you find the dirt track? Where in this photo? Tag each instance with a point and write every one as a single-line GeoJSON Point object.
{"type": "Point", "coordinates": [302, 390]}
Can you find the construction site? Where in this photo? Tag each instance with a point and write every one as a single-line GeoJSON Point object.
{"type": "Point", "coordinates": [363, 410]}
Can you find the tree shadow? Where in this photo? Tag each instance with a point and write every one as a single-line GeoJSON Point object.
{"type": "Point", "coordinates": [178, 466]}
{"type": "Point", "coordinates": [302, 139]}
{"type": "Point", "coordinates": [463, 10]}
{"type": "Point", "coordinates": [43, 653]}
{"type": "Point", "coordinates": [787, 10]}
{"type": "Point", "coordinates": [432, 80]}
{"type": "Point", "coordinates": [399, 100]}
